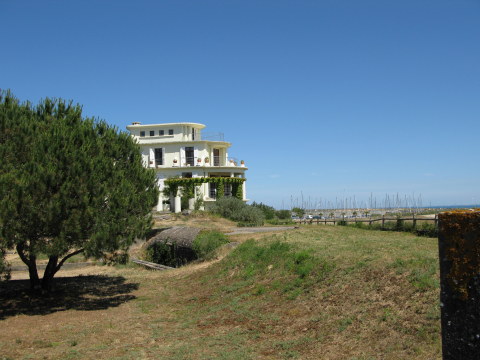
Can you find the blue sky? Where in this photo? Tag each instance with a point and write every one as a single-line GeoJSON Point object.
{"type": "Point", "coordinates": [329, 99]}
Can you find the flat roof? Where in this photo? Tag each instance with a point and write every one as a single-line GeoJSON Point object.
{"type": "Point", "coordinates": [141, 126]}
{"type": "Point", "coordinates": [149, 141]}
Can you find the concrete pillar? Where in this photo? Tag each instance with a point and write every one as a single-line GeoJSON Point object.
{"type": "Point", "coordinates": [205, 190]}
{"type": "Point", "coordinates": [459, 250]}
{"type": "Point", "coordinates": [178, 204]}
{"type": "Point", "coordinates": [191, 204]}
{"type": "Point", "coordinates": [200, 193]}
{"type": "Point", "coordinates": [244, 185]}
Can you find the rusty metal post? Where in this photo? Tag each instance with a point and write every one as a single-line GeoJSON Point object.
{"type": "Point", "coordinates": [459, 250]}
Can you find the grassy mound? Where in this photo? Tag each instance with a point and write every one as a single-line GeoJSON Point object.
{"type": "Point", "coordinates": [327, 292]}
{"type": "Point", "coordinates": [293, 270]}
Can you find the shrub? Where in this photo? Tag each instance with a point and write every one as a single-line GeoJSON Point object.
{"type": "Point", "coordinates": [277, 221]}
{"type": "Point", "coordinates": [284, 214]}
{"type": "Point", "coordinates": [162, 253]}
{"type": "Point", "coordinates": [206, 244]}
{"type": "Point", "coordinates": [227, 206]}
{"type": "Point", "coordinates": [236, 210]}
{"type": "Point", "coordinates": [250, 215]}
{"type": "Point", "coordinates": [169, 254]}
{"type": "Point", "coordinates": [268, 211]}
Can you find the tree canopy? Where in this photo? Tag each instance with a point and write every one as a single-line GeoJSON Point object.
{"type": "Point", "coordinates": [298, 211]}
{"type": "Point", "coordinates": [68, 184]}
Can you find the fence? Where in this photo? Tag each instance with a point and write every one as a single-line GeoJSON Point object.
{"type": "Point", "coordinates": [370, 221]}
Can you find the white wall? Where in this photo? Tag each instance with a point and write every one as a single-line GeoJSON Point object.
{"type": "Point", "coordinates": [180, 133]}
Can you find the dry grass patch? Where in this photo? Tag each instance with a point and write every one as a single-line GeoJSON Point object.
{"type": "Point", "coordinates": [201, 220]}
{"type": "Point", "coordinates": [361, 295]}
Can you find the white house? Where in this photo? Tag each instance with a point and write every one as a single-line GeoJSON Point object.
{"type": "Point", "coordinates": [181, 150]}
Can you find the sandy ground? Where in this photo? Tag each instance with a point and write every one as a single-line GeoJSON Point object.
{"type": "Point", "coordinates": [254, 230]}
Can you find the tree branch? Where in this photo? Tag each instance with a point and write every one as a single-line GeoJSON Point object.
{"type": "Point", "coordinates": [20, 252]}
{"type": "Point", "coordinates": [68, 257]}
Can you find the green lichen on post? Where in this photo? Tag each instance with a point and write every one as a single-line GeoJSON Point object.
{"type": "Point", "coordinates": [460, 232]}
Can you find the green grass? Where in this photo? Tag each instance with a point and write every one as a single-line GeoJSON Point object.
{"type": "Point", "coordinates": [207, 242]}
{"type": "Point", "coordinates": [421, 271]}
{"type": "Point", "coordinates": [312, 293]}
{"type": "Point", "coordinates": [295, 270]}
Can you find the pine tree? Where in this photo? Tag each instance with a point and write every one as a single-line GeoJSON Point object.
{"type": "Point", "coordinates": [68, 185]}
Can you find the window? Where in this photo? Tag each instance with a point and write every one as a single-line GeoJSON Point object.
{"type": "Point", "coordinates": [187, 175]}
{"type": "Point", "coordinates": [213, 191]}
{"type": "Point", "coordinates": [161, 132]}
{"type": "Point", "coordinates": [170, 132]}
{"type": "Point", "coordinates": [152, 133]}
{"type": "Point", "coordinates": [193, 133]}
{"type": "Point", "coordinates": [158, 156]}
{"type": "Point", "coordinates": [142, 133]}
{"type": "Point", "coordinates": [216, 157]}
{"type": "Point", "coordinates": [189, 156]}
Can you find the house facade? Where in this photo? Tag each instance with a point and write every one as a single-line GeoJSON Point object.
{"type": "Point", "coordinates": [181, 150]}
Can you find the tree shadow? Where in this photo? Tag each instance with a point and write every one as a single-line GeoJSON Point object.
{"type": "Point", "coordinates": [92, 292]}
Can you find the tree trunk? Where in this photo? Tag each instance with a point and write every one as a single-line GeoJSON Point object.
{"type": "Point", "coordinates": [52, 267]}
{"type": "Point", "coordinates": [33, 273]}
{"type": "Point", "coordinates": [31, 262]}
{"type": "Point", "coordinates": [49, 273]}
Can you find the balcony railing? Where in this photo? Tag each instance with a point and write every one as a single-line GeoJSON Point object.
{"type": "Point", "coordinates": [190, 160]}
{"type": "Point", "coordinates": [230, 161]}
{"type": "Point", "coordinates": [218, 161]}
{"type": "Point", "coordinates": [213, 136]}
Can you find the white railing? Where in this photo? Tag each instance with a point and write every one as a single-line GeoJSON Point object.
{"type": "Point", "coordinates": [213, 136]}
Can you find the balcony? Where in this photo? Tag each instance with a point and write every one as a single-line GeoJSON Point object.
{"type": "Point", "coordinates": [218, 161]}
{"type": "Point", "coordinates": [213, 136]}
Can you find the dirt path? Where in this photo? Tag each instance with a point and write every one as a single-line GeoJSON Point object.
{"type": "Point", "coordinates": [89, 268]}
{"type": "Point", "coordinates": [65, 266]}
{"type": "Point", "coordinates": [254, 230]}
